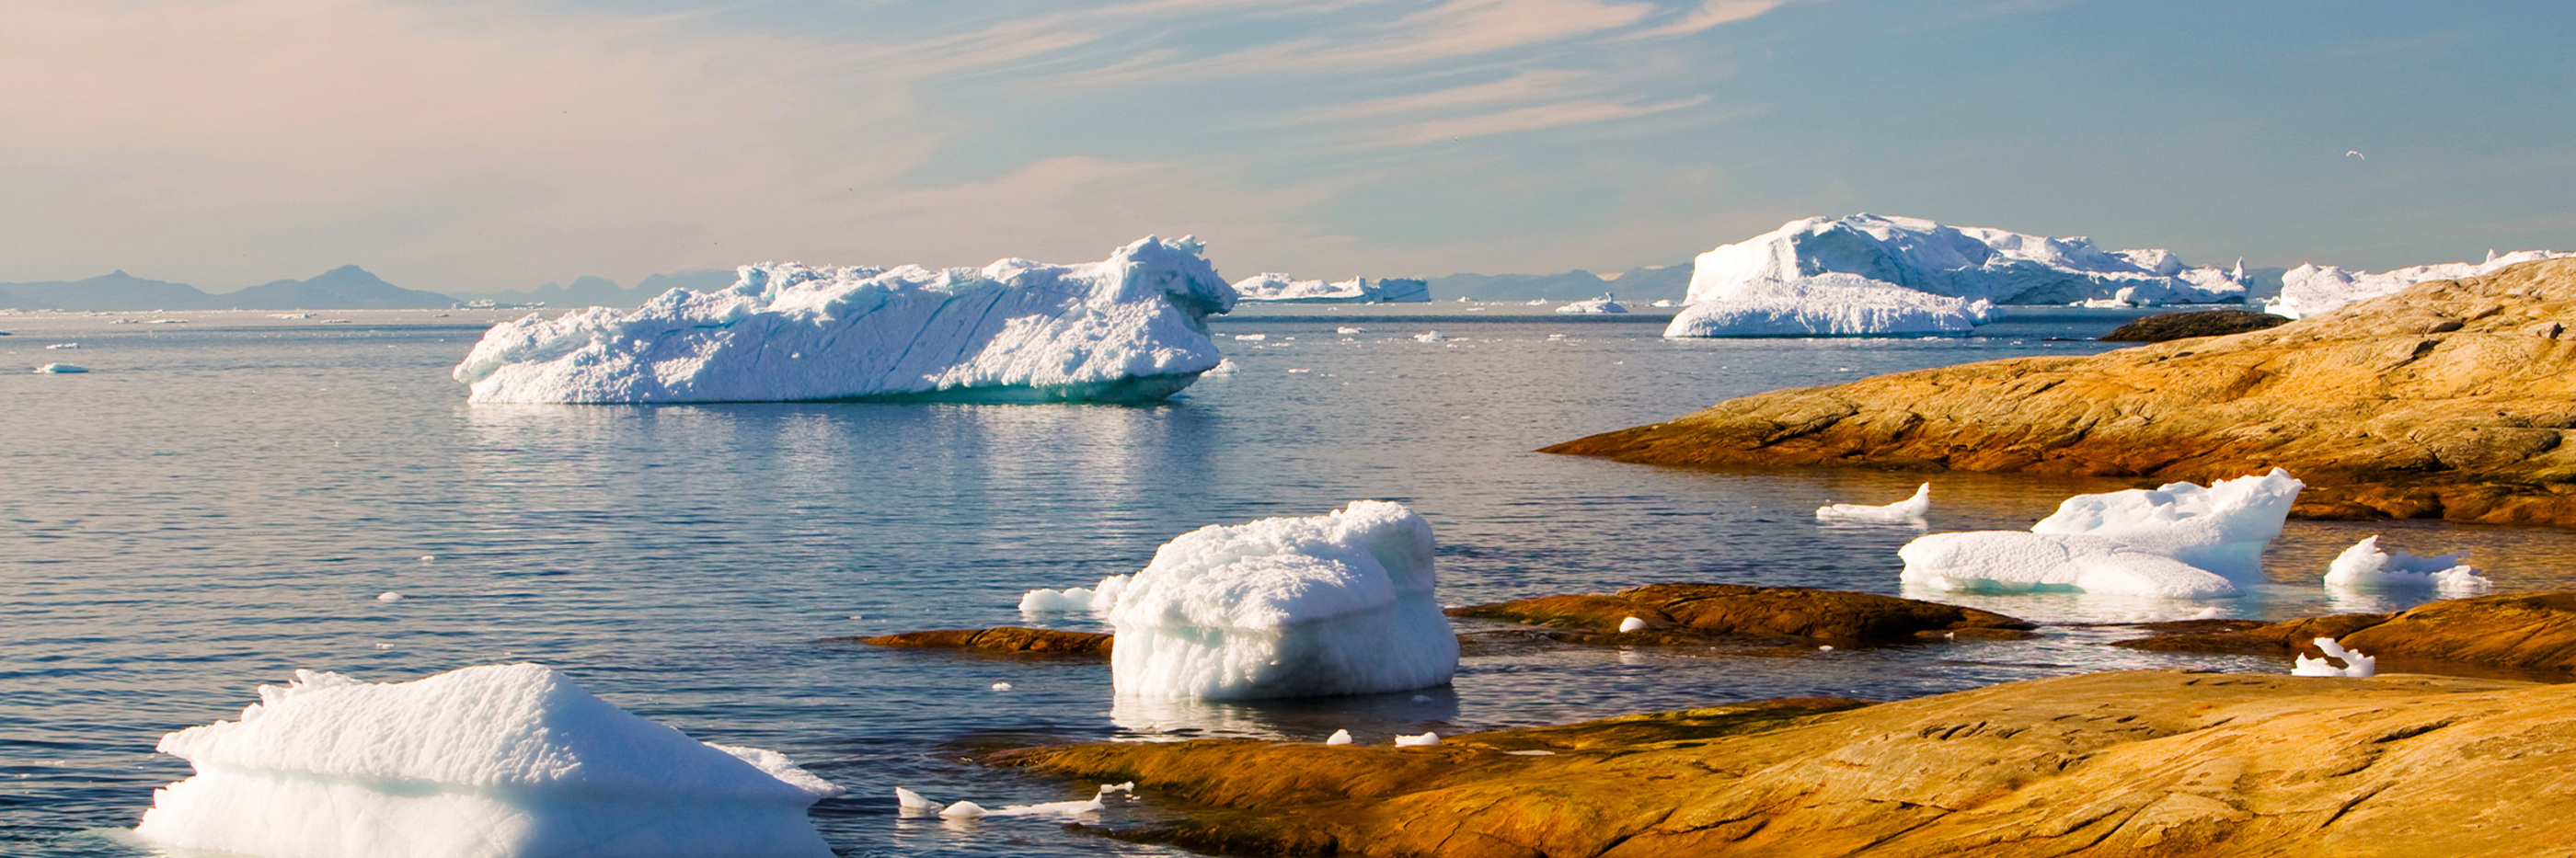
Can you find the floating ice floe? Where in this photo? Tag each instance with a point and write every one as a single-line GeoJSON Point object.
{"type": "Point", "coordinates": [1430, 337]}
{"type": "Point", "coordinates": [1074, 600]}
{"type": "Point", "coordinates": [1347, 329]}
{"type": "Point", "coordinates": [2355, 664]}
{"type": "Point", "coordinates": [60, 369]}
{"type": "Point", "coordinates": [1251, 338]}
{"type": "Point", "coordinates": [1603, 304]}
{"type": "Point", "coordinates": [1907, 510]}
{"type": "Point", "coordinates": [1130, 328]}
{"type": "Point", "coordinates": [1826, 305]}
{"type": "Point", "coordinates": [909, 803]}
{"type": "Point", "coordinates": [2365, 567]}
{"type": "Point", "coordinates": [2177, 541]}
{"type": "Point", "coordinates": [1286, 607]}
{"type": "Point", "coordinates": [61, 346]}
{"type": "Point", "coordinates": [1283, 289]}
{"type": "Point", "coordinates": [496, 761]}
{"type": "Point", "coordinates": [2312, 289]}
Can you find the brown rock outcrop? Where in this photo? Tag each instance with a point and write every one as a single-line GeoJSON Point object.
{"type": "Point", "coordinates": [1682, 612]}
{"type": "Point", "coordinates": [2527, 634]}
{"type": "Point", "coordinates": [1006, 639]}
{"type": "Point", "coordinates": [2116, 764]}
{"type": "Point", "coordinates": [2450, 399]}
{"type": "Point", "coordinates": [2197, 323]}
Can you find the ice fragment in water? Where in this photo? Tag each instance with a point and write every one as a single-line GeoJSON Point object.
{"type": "Point", "coordinates": [389, 597]}
{"type": "Point", "coordinates": [2355, 664]}
{"type": "Point", "coordinates": [1909, 509]}
{"type": "Point", "coordinates": [2177, 541]}
{"type": "Point", "coordinates": [2365, 567]}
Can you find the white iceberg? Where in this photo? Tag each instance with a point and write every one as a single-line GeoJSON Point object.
{"type": "Point", "coordinates": [2312, 289]}
{"type": "Point", "coordinates": [1826, 305]}
{"type": "Point", "coordinates": [60, 369]}
{"type": "Point", "coordinates": [1130, 328]}
{"type": "Point", "coordinates": [2365, 567]}
{"type": "Point", "coordinates": [1074, 600]}
{"type": "Point", "coordinates": [2355, 664]}
{"type": "Point", "coordinates": [1286, 607]}
{"type": "Point", "coordinates": [485, 762]}
{"type": "Point", "coordinates": [1283, 289]}
{"type": "Point", "coordinates": [1961, 262]}
{"type": "Point", "coordinates": [1603, 304]}
{"type": "Point", "coordinates": [2177, 541]}
{"type": "Point", "coordinates": [1404, 741]}
{"type": "Point", "coordinates": [1909, 509]}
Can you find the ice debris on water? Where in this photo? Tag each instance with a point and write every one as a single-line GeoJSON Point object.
{"type": "Point", "coordinates": [1129, 328]}
{"type": "Point", "coordinates": [909, 803]}
{"type": "Point", "coordinates": [60, 369]}
{"type": "Point", "coordinates": [1333, 604]}
{"type": "Point", "coordinates": [389, 596]}
{"type": "Point", "coordinates": [2355, 664]}
{"type": "Point", "coordinates": [495, 761]}
{"type": "Point", "coordinates": [1001, 686]}
{"type": "Point", "coordinates": [1907, 510]}
{"type": "Point", "coordinates": [1429, 337]}
{"type": "Point", "coordinates": [2177, 541]}
{"type": "Point", "coordinates": [1096, 599]}
{"type": "Point", "coordinates": [2365, 567]}
{"type": "Point", "coordinates": [1427, 738]}
{"type": "Point", "coordinates": [1339, 737]}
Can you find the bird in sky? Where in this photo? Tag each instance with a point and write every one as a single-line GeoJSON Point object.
{"type": "Point", "coordinates": [2355, 153]}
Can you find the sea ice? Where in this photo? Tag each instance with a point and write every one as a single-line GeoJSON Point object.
{"type": "Point", "coordinates": [2365, 567]}
{"type": "Point", "coordinates": [2312, 289]}
{"type": "Point", "coordinates": [1403, 741]}
{"type": "Point", "coordinates": [1909, 509]}
{"type": "Point", "coordinates": [1129, 328]}
{"type": "Point", "coordinates": [2355, 664]}
{"type": "Point", "coordinates": [2177, 541]}
{"type": "Point", "coordinates": [1825, 305]}
{"type": "Point", "coordinates": [1603, 304]}
{"type": "Point", "coordinates": [1281, 288]}
{"type": "Point", "coordinates": [1962, 262]}
{"type": "Point", "coordinates": [59, 369]}
{"type": "Point", "coordinates": [495, 761]}
{"type": "Point", "coordinates": [1286, 607]}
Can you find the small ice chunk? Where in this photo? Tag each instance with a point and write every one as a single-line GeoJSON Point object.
{"type": "Point", "coordinates": [911, 803]}
{"type": "Point", "coordinates": [2178, 541]}
{"type": "Point", "coordinates": [1429, 337]}
{"type": "Point", "coordinates": [1909, 509]}
{"type": "Point", "coordinates": [59, 346]}
{"type": "Point", "coordinates": [1603, 304]}
{"type": "Point", "coordinates": [1348, 329]}
{"type": "Point", "coordinates": [1098, 598]}
{"type": "Point", "coordinates": [1128, 788]}
{"type": "Point", "coordinates": [1251, 338]}
{"type": "Point", "coordinates": [1631, 624]}
{"type": "Point", "coordinates": [428, 557]}
{"type": "Point", "coordinates": [1825, 648]}
{"type": "Point", "coordinates": [2365, 567]}
{"type": "Point", "coordinates": [1339, 737]}
{"type": "Point", "coordinates": [1001, 686]}
{"type": "Point", "coordinates": [388, 596]}
{"type": "Point", "coordinates": [1427, 738]}
{"type": "Point", "coordinates": [1224, 366]}
{"type": "Point", "coordinates": [60, 369]}
{"type": "Point", "coordinates": [2355, 664]}
{"type": "Point", "coordinates": [963, 810]}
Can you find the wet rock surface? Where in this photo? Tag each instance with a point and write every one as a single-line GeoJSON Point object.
{"type": "Point", "coordinates": [1696, 613]}
{"type": "Point", "coordinates": [1006, 639]}
{"type": "Point", "coordinates": [2198, 323]}
{"type": "Point", "coordinates": [2523, 635]}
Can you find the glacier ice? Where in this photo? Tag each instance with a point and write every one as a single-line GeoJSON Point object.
{"type": "Point", "coordinates": [2365, 567]}
{"type": "Point", "coordinates": [1909, 509]}
{"type": "Point", "coordinates": [1286, 607]}
{"type": "Point", "coordinates": [2355, 664]}
{"type": "Point", "coordinates": [2312, 289]}
{"type": "Point", "coordinates": [1826, 305]}
{"type": "Point", "coordinates": [2176, 541]}
{"type": "Point", "coordinates": [1280, 288]}
{"type": "Point", "coordinates": [493, 761]}
{"type": "Point", "coordinates": [1128, 328]}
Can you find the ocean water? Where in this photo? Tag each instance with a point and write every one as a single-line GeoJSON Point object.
{"type": "Point", "coordinates": [222, 499]}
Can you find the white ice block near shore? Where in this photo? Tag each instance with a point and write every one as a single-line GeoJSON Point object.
{"type": "Point", "coordinates": [1286, 607]}
{"type": "Point", "coordinates": [1825, 305]}
{"type": "Point", "coordinates": [1909, 509]}
{"type": "Point", "coordinates": [2354, 664]}
{"type": "Point", "coordinates": [2312, 289]}
{"type": "Point", "coordinates": [2177, 541]}
{"type": "Point", "coordinates": [1129, 328]}
{"type": "Point", "coordinates": [485, 762]}
{"type": "Point", "coordinates": [2365, 567]}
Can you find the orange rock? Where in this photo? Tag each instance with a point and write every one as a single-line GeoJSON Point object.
{"type": "Point", "coordinates": [1685, 611]}
{"type": "Point", "coordinates": [2528, 635]}
{"type": "Point", "coordinates": [1004, 639]}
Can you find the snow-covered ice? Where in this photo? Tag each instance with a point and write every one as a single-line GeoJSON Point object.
{"type": "Point", "coordinates": [2355, 664]}
{"type": "Point", "coordinates": [482, 762]}
{"type": "Point", "coordinates": [1603, 304]}
{"type": "Point", "coordinates": [1282, 288]}
{"type": "Point", "coordinates": [1128, 328]}
{"type": "Point", "coordinates": [2177, 541]}
{"type": "Point", "coordinates": [1286, 607]}
{"type": "Point", "coordinates": [1826, 305]}
{"type": "Point", "coordinates": [1909, 509]}
{"type": "Point", "coordinates": [2312, 289]}
{"type": "Point", "coordinates": [2365, 567]}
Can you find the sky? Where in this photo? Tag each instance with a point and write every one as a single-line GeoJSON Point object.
{"type": "Point", "coordinates": [478, 146]}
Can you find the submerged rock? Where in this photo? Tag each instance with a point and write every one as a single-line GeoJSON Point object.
{"type": "Point", "coordinates": [2203, 323]}
{"type": "Point", "coordinates": [2449, 399]}
{"type": "Point", "coordinates": [1012, 639]}
{"type": "Point", "coordinates": [2525, 633]}
{"type": "Point", "coordinates": [1693, 612]}
{"type": "Point", "coordinates": [2133, 763]}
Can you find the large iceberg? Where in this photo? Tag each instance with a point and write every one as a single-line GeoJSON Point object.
{"type": "Point", "coordinates": [1962, 262]}
{"type": "Point", "coordinates": [495, 761]}
{"type": "Point", "coordinates": [1285, 607]}
{"type": "Point", "coordinates": [2180, 541]}
{"type": "Point", "coordinates": [1827, 305]}
{"type": "Point", "coordinates": [1284, 289]}
{"type": "Point", "coordinates": [1128, 328]}
{"type": "Point", "coordinates": [2312, 289]}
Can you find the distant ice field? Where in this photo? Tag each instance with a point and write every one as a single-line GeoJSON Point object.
{"type": "Point", "coordinates": [222, 501]}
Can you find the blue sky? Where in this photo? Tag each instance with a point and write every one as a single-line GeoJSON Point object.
{"type": "Point", "coordinates": [479, 146]}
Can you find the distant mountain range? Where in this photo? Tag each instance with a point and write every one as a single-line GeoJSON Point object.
{"type": "Point", "coordinates": [603, 292]}
{"type": "Point", "coordinates": [1635, 284]}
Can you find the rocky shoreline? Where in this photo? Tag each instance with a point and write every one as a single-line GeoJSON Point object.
{"type": "Point", "coordinates": [2451, 399]}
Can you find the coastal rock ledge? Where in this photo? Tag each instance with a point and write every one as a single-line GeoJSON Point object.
{"type": "Point", "coordinates": [2142, 763]}
{"type": "Point", "coordinates": [2450, 399]}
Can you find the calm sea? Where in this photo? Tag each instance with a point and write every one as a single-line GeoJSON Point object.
{"type": "Point", "coordinates": [222, 500]}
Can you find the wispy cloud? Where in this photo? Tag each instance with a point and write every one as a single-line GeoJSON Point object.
{"type": "Point", "coordinates": [1526, 119]}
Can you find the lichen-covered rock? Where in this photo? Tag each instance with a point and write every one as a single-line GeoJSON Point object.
{"type": "Point", "coordinates": [2145, 763]}
{"type": "Point", "coordinates": [2444, 400]}
{"type": "Point", "coordinates": [1013, 639]}
{"type": "Point", "coordinates": [1687, 612]}
{"type": "Point", "coordinates": [2198, 323]}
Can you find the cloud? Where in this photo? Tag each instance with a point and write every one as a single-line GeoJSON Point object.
{"type": "Point", "coordinates": [1710, 14]}
{"type": "Point", "coordinates": [1526, 119]}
